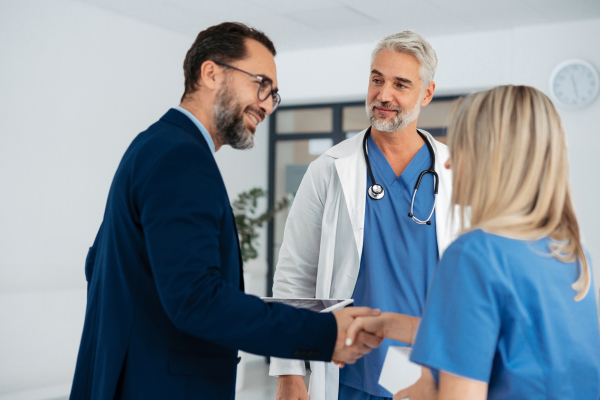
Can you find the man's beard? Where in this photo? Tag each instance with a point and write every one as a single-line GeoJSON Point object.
{"type": "Point", "coordinates": [229, 120]}
{"type": "Point", "coordinates": [396, 124]}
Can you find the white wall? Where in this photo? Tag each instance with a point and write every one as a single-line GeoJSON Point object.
{"type": "Point", "coordinates": [242, 171]}
{"type": "Point", "coordinates": [77, 83]}
{"type": "Point", "coordinates": [482, 60]}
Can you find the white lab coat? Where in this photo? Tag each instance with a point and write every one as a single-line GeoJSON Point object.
{"type": "Point", "coordinates": [323, 240]}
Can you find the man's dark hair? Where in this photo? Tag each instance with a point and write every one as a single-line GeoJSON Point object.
{"type": "Point", "coordinates": [224, 43]}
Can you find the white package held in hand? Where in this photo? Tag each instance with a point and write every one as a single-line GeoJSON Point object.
{"type": "Point", "coordinates": [398, 372]}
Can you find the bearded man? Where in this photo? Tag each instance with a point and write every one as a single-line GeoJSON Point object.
{"type": "Point", "coordinates": [166, 310]}
{"type": "Point", "coordinates": [357, 227]}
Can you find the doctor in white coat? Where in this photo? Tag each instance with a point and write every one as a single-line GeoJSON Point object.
{"type": "Point", "coordinates": [325, 230]}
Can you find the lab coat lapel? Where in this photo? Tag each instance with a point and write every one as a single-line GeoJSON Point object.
{"type": "Point", "coordinates": [352, 172]}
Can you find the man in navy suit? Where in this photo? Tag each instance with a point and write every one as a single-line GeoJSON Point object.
{"type": "Point", "coordinates": [166, 310]}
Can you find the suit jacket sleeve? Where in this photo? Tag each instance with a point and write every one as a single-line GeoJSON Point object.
{"type": "Point", "coordinates": [182, 204]}
{"type": "Point", "coordinates": [90, 260]}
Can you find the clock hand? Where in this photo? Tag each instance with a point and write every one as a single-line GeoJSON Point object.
{"type": "Point", "coordinates": [574, 86]}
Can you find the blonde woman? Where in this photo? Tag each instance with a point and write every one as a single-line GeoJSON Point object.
{"type": "Point", "coordinates": [509, 314]}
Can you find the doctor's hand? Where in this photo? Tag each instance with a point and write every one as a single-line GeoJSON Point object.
{"type": "Point", "coordinates": [291, 387]}
{"type": "Point", "coordinates": [364, 342]}
{"type": "Point", "coordinates": [389, 325]}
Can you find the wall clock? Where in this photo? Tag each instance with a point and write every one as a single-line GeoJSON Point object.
{"type": "Point", "coordinates": [574, 84]}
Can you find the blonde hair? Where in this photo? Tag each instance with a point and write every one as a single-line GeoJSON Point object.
{"type": "Point", "coordinates": [509, 158]}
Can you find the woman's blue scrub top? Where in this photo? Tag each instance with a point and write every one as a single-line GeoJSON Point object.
{"type": "Point", "coordinates": [398, 259]}
{"type": "Point", "coordinates": [502, 311]}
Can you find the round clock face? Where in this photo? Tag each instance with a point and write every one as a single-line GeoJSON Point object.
{"type": "Point", "coordinates": [574, 83]}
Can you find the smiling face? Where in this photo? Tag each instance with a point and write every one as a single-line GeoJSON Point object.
{"type": "Point", "coordinates": [395, 95]}
{"type": "Point", "coordinates": [237, 108]}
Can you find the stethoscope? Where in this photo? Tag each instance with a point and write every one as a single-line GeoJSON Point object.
{"type": "Point", "coordinates": [376, 191]}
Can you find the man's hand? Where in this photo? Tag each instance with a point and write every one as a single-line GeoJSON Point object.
{"type": "Point", "coordinates": [372, 325]}
{"type": "Point", "coordinates": [423, 389]}
{"type": "Point", "coordinates": [344, 354]}
{"type": "Point", "coordinates": [291, 387]}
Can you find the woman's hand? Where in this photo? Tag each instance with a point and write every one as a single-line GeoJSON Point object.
{"type": "Point", "coordinates": [424, 388]}
{"type": "Point", "coordinates": [399, 327]}
{"type": "Point", "coordinates": [372, 325]}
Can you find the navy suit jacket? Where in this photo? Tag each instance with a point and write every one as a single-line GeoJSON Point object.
{"type": "Point", "coordinates": [166, 311]}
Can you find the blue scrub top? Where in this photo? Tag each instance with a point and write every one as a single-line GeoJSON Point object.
{"type": "Point", "coordinates": [502, 311]}
{"type": "Point", "coordinates": [398, 258]}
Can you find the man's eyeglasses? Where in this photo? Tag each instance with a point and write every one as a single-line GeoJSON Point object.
{"type": "Point", "coordinates": [264, 90]}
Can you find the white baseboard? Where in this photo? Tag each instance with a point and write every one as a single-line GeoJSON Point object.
{"type": "Point", "coordinates": [47, 393]}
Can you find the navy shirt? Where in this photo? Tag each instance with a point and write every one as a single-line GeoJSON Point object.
{"type": "Point", "coordinates": [502, 311]}
{"type": "Point", "coordinates": [398, 259]}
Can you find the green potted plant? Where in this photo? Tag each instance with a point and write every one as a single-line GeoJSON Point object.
{"type": "Point", "coordinates": [249, 220]}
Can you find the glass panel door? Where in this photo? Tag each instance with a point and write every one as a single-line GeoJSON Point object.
{"type": "Point", "coordinates": [311, 120]}
{"type": "Point", "coordinates": [434, 117]}
{"type": "Point", "coordinates": [292, 158]}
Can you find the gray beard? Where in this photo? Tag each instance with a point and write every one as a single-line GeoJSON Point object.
{"type": "Point", "coordinates": [229, 121]}
{"type": "Point", "coordinates": [396, 124]}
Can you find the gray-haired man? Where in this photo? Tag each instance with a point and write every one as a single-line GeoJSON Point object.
{"type": "Point", "coordinates": [356, 229]}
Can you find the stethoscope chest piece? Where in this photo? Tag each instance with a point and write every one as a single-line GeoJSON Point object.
{"type": "Point", "coordinates": [376, 192]}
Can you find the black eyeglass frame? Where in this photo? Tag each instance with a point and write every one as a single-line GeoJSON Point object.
{"type": "Point", "coordinates": [273, 93]}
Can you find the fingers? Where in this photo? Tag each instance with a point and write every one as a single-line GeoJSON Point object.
{"type": "Point", "coordinates": [349, 355]}
{"type": "Point", "coordinates": [403, 394]}
{"type": "Point", "coordinates": [372, 325]}
{"type": "Point", "coordinates": [361, 312]}
{"type": "Point", "coordinates": [356, 326]}
{"type": "Point", "coordinates": [369, 340]}
{"type": "Point", "coordinates": [364, 343]}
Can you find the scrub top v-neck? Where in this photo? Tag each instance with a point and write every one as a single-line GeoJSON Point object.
{"type": "Point", "coordinates": [398, 259]}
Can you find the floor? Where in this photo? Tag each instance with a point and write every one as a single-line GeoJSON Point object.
{"type": "Point", "coordinates": [258, 385]}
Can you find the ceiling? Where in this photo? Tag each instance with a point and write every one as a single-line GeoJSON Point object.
{"type": "Point", "coordinates": [301, 24]}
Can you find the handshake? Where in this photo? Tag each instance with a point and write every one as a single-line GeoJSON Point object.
{"type": "Point", "coordinates": [361, 329]}
{"type": "Point", "coordinates": [349, 349]}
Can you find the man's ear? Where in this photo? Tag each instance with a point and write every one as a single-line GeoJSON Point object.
{"type": "Point", "coordinates": [209, 75]}
{"type": "Point", "coordinates": [428, 94]}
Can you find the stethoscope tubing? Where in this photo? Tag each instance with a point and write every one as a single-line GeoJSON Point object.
{"type": "Point", "coordinates": [376, 191]}
{"type": "Point", "coordinates": [412, 215]}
